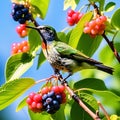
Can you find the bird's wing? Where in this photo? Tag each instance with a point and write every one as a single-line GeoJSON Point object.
{"type": "Point", "coordinates": [67, 51]}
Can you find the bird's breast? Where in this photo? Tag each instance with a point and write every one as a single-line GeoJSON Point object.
{"type": "Point", "coordinates": [54, 58]}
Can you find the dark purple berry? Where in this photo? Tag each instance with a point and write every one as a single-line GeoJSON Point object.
{"type": "Point", "coordinates": [59, 98]}
{"type": "Point", "coordinates": [44, 97]}
{"type": "Point", "coordinates": [21, 20]}
{"type": "Point", "coordinates": [25, 11]}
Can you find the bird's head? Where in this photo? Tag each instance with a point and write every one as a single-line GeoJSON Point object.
{"type": "Point", "coordinates": [47, 33]}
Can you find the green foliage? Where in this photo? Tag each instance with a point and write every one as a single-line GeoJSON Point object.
{"type": "Point", "coordinates": [115, 19]}
{"type": "Point", "coordinates": [78, 30]}
{"type": "Point", "coordinates": [34, 41]}
{"type": "Point", "coordinates": [21, 104]}
{"type": "Point", "coordinates": [70, 3]}
{"type": "Point", "coordinates": [11, 90]}
{"type": "Point", "coordinates": [39, 116]}
{"type": "Point", "coordinates": [41, 7]}
{"type": "Point", "coordinates": [17, 65]}
{"type": "Point", "coordinates": [110, 6]}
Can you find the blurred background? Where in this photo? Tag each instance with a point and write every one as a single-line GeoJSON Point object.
{"type": "Point", "coordinates": [56, 17]}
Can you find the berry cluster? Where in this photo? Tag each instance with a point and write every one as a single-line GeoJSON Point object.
{"type": "Point", "coordinates": [73, 17]}
{"type": "Point", "coordinates": [22, 30]}
{"type": "Point", "coordinates": [20, 47]}
{"type": "Point", "coordinates": [20, 13]}
{"type": "Point", "coordinates": [96, 26]}
{"type": "Point", "coordinates": [49, 99]}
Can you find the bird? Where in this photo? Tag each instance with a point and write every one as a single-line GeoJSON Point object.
{"type": "Point", "coordinates": [63, 57]}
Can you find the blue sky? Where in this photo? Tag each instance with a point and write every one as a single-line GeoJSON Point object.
{"type": "Point", "coordinates": [56, 17]}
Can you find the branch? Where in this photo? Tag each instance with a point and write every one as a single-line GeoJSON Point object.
{"type": "Point", "coordinates": [77, 99]}
{"type": "Point", "coordinates": [104, 111]}
{"type": "Point", "coordinates": [111, 45]}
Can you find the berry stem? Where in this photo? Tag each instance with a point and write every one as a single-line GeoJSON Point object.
{"type": "Point", "coordinates": [77, 99]}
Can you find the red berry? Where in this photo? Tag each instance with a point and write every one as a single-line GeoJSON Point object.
{"type": "Point", "coordinates": [70, 21]}
{"type": "Point", "coordinates": [31, 95]}
{"type": "Point", "coordinates": [61, 88]}
{"type": "Point", "coordinates": [87, 30]}
{"type": "Point", "coordinates": [92, 24]}
{"type": "Point", "coordinates": [37, 98]}
{"type": "Point", "coordinates": [56, 89]}
{"type": "Point", "coordinates": [45, 90]}
{"type": "Point", "coordinates": [70, 12]}
{"type": "Point", "coordinates": [29, 101]}
{"type": "Point", "coordinates": [34, 105]}
{"type": "Point", "coordinates": [75, 17]}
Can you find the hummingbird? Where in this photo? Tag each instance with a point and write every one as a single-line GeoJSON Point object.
{"type": "Point", "coordinates": [63, 57]}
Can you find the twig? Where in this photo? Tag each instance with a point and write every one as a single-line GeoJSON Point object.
{"type": "Point", "coordinates": [110, 43]}
{"type": "Point", "coordinates": [78, 100]}
{"type": "Point", "coordinates": [104, 111]}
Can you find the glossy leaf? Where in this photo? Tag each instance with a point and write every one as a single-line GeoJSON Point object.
{"type": "Point", "coordinates": [98, 88]}
{"type": "Point", "coordinates": [10, 91]}
{"type": "Point", "coordinates": [34, 41]}
{"type": "Point", "coordinates": [17, 65]}
{"type": "Point", "coordinates": [110, 6]}
{"type": "Point", "coordinates": [78, 113]}
{"type": "Point", "coordinates": [21, 104]}
{"type": "Point", "coordinates": [70, 3]}
{"type": "Point", "coordinates": [62, 37]}
{"type": "Point", "coordinates": [41, 7]}
{"type": "Point", "coordinates": [92, 83]}
{"type": "Point", "coordinates": [39, 116]}
{"type": "Point", "coordinates": [115, 19]}
{"type": "Point", "coordinates": [78, 30]}
{"type": "Point", "coordinates": [106, 55]}
{"type": "Point", "coordinates": [59, 115]}
{"type": "Point", "coordinates": [89, 45]}
{"type": "Point", "coordinates": [41, 59]}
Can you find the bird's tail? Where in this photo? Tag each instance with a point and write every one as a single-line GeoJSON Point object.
{"type": "Point", "coordinates": [105, 68]}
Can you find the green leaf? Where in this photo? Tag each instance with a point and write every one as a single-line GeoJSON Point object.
{"type": "Point", "coordinates": [106, 55]}
{"type": "Point", "coordinates": [62, 36]}
{"type": "Point", "coordinates": [115, 19]}
{"type": "Point", "coordinates": [70, 3]}
{"type": "Point", "coordinates": [89, 45]}
{"type": "Point", "coordinates": [39, 116]}
{"type": "Point", "coordinates": [78, 113]}
{"type": "Point", "coordinates": [97, 87]}
{"type": "Point", "coordinates": [92, 83]}
{"type": "Point", "coordinates": [59, 115]}
{"type": "Point", "coordinates": [110, 6]}
{"type": "Point", "coordinates": [78, 30]}
{"type": "Point", "coordinates": [17, 65]}
{"type": "Point", "coordinates": [34, 41]}
{"type": "Point", "coordinates": [11, 90]}
{"type": "Point", "coordinates": [21, 104]}
{"type": "Point", "coordinates": [41, 59]}
{"type": "Point", "coordinates": [41, 7]}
